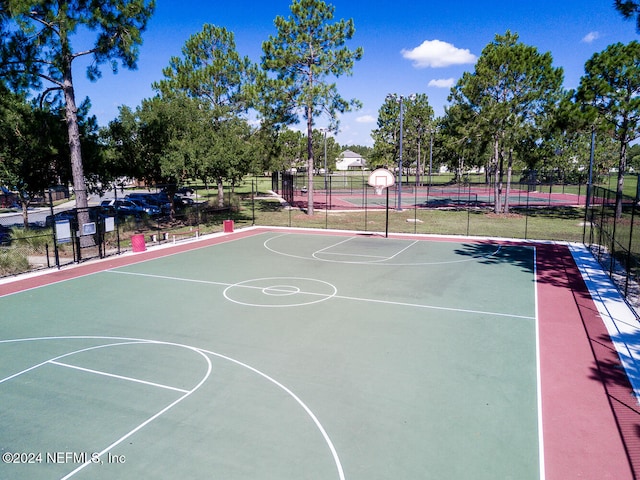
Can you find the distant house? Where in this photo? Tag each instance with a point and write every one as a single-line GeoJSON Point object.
{"type": "Point", "coordinates": [349, 160]}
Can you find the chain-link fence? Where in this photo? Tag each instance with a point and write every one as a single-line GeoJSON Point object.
{"type": "Point", "coordinates": [614, 238]}
{"type": "Point", "coordinates": [61, 236]}
{"type": "Point", "coordinates": [350, 190]}
{"type": "Point", "coordinates": [343, 201]}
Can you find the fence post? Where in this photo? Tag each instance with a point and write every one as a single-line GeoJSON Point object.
{"type": "Point", "coordinates": [628, 267]}
{"type": "Point", "coordinates": [613, 239]}
{"type": "Point", "coordinates": [601, 227]}
{"type": "Point", "coordinates": [364, 197]}
{"type": "Point", "coordinates": [53, 227]}
{"type": "Point", "coordinates": [253, 204]}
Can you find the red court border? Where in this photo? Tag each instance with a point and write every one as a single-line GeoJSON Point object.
{"type": "Point", "coordinates": [590, 419]}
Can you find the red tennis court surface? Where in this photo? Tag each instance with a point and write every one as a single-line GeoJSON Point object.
{"type": "Point", "coordinates": [433, 197]}
{"type": "Point", "coordinates": [590, 417]}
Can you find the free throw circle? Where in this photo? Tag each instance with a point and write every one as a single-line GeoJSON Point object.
{"type": "Point", "coordinates": [280, 292]}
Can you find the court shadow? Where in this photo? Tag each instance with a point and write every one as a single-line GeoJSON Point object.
{"type": "Point", "coordinates": [617, 381]}
{"type": "Point", "coordinates": [491, 253]}
{"type": "Point", "coordinates": [617, 368]}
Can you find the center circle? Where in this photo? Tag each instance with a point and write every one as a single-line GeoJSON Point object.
{"type": "Point", "coordinates": [279, 292]}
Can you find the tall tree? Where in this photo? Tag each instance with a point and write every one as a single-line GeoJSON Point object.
{"type": "Point", "coordinates": [611, 87]}
{"type": "Point", "coordinates": [155, 141]}
{"type": "Point", "coordinates": [212, 73]}
{"type": "Point", "coordinates": [37, 46]}
{"type": "Point", "coordinates": [386, 138]}
{"type": "Point", "coordinates": [30, 150]}
{"type": "Point", "coordinates": [325, 144]}
{"type": "Point", "coordinates": [307, 52]}
{"type": "Point", "coordinates": [169, 139]}
{"type": "Point", "coordinates": [418, 126]}
{"type": "Point", "coordinates": [511, 89]}
{"type": "Point", "coordinates": [461, 145]}
{"type": "Point", "coordinates": [629, 9]}
{"type": "Point", "coordinates": [419, 131]}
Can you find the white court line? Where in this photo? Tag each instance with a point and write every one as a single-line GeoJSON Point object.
{"type": "Point", "coordinates": [120, 377]}
{"type": "Point", "coordinates": [382, 263]}
{"type": "Point", "coordinates": [153, 417]}
{"type": "Point", "coordinates": [434, 307]}
{"type": "Point", "coordinates": [355, 255]}
{"type": "Point", "coordinates": [202, 352]}
{"type": "Point", "coordinates": [314, 419]}
{"type": "Point", "coordinates": [344, 297]}
{"type": "Point", "coordinates": [333, 245]}
{"type": "Point", "coordinates": [538, 369]}
{"type": "Point", "coordinates": [26, 370]}
{"type": "Point", "coordinates": [382, 258]}
{"type": "Point", "coordinates": [403, 250]}
{"type": "Point", "coordinates": [166, 277]}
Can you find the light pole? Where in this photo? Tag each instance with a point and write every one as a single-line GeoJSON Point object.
{"type": "Point", "coordinates": [400, 99]}
{"type": "Point", "coordinates": [399, 207]}
{"type": "Point", "coordinates": [431, 131]}
{"type": "Point", "coordinates": [324, 131]}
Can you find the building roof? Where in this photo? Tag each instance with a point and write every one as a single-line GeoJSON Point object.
{"type": "Point", "coordinates": [350, 154]}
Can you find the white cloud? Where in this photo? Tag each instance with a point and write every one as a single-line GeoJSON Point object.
{"type": "Point", "coordinates": [442, 83]}
{"type": "Point", "coordinates": [590, 37]}
{"type": "Point", "coordinates": [437, 54]}
{"type": "Point", "coordinates": [366, 119]}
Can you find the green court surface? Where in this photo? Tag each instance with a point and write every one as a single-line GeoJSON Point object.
{"type": "Point", "coordinates": [278, 356]}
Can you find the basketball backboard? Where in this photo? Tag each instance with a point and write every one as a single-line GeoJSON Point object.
{"type": "Point", "coordinates": [381, 178]}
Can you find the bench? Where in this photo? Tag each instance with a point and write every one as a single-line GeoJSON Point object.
{"type": "Point", "coordinates": [175, 236]}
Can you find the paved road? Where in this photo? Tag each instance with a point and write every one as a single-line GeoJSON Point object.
{"type": "Point", "coordinates": [38, 215]}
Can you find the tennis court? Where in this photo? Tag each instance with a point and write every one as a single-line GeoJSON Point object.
{"type": "Point", "coordinates": [290, 354]}
{"type": "Point", "coordinates": [435, 197]}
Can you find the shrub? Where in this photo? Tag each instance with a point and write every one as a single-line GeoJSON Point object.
{"type": "Point", "coordinates": [12, 262]}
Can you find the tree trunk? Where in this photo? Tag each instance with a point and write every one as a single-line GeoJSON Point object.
{"type": "Point", "coordinates": [25, 213]}
{"type": "Point", "coordinates": [220, 192]}
{"type": "Point", "coordinates": [77, 169]}
{"type": "Point", "coordinates": [498, 176]}
{"type": "Point", "coordinates": [508, 189]}
{"type": "Point", "coordinates": [309, 161]}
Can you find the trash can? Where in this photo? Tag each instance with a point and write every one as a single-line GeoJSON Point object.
{"type": "Point", "coordinates": [228, 226]}
{"type": "Point", "coordinates": [137, 243]}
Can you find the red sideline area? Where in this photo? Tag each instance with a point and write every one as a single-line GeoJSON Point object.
{"type": "Point", "coordinates": [590, 420]}
{"type": "Point", "coordinates": [66, 273]}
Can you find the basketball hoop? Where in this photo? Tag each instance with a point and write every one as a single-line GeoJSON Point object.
{"type": "Point", "coordinates": [380, 179]}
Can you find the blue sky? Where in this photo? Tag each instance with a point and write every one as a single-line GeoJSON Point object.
{"type": "Point", "coordinates": [409, 46]}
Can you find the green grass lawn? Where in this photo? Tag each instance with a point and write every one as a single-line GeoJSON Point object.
{"type": "Point", "coordinates": [563, 224]}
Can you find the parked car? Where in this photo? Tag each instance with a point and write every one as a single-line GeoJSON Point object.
{"type": "Point", "coordinates": [181, 202]}
{"type": "Point", "coordinates": [62, 216]}
{"type": "Point", "coordinates": [151, 210]}
{"type": "Point", "coordinates": [159, 200]}
{"type": "Point", "coordinates": [185, 191]}
{"type": "Point", "coordinates": [95, 213]}
{"type": "Point", "coordinates": [128, 207]}
{"type": "Point", "coordinates": [5, 235]}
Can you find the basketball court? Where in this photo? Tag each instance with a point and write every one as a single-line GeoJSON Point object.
{"type": "Point", "coordinates": [280, 353]}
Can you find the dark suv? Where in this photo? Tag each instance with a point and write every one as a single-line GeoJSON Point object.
{"type": "Point", "coordinates": [5, 235]}
{"type": "Point", "coordinates": [160, 200]}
